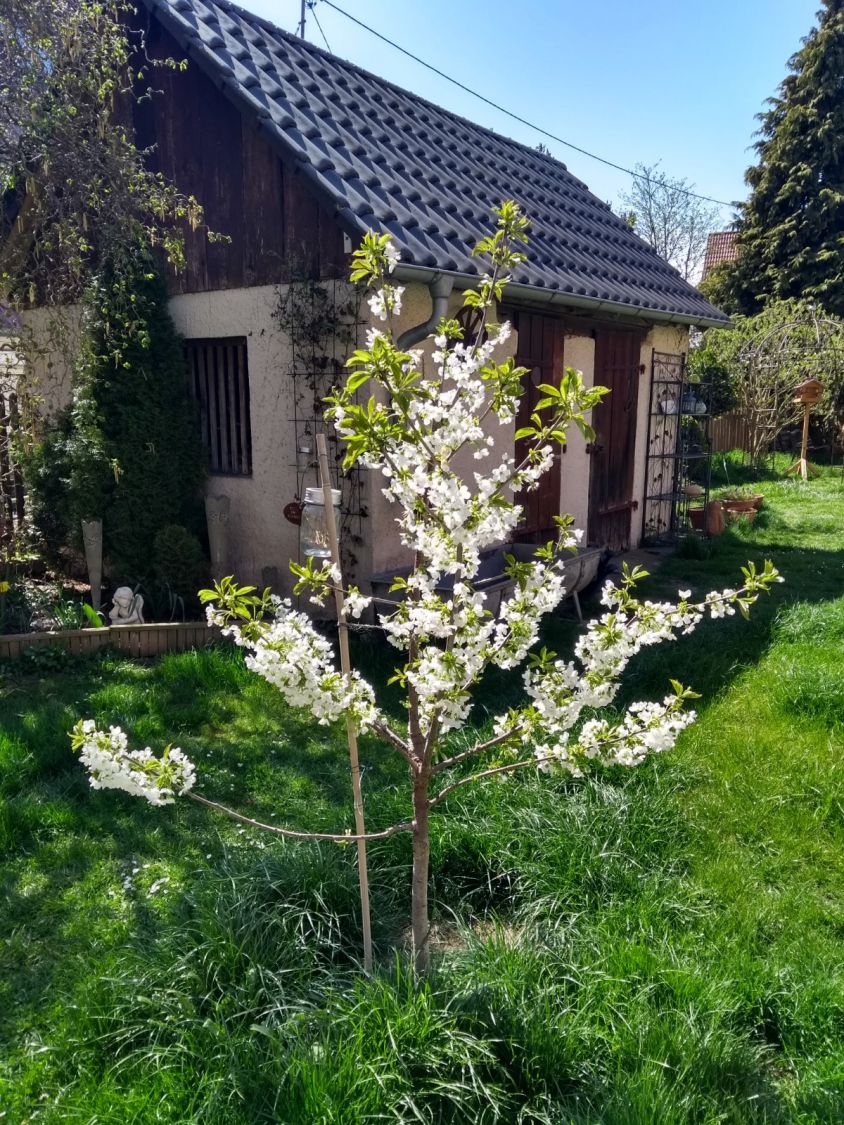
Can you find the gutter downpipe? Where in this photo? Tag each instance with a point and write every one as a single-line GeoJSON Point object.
{"type": "Point", "coordinates": [440, 286]}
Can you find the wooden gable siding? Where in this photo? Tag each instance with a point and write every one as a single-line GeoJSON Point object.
{"type": "Point", "coordinates": [201, 142]}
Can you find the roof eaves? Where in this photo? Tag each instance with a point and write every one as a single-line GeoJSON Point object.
{"type": "Point", "coordinates": [561, 300]}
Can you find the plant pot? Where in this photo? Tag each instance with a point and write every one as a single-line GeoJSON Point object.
{"type": "Point", "coordinates": [740, 509]}
{"type": "Point", "coordinates": [697, 518]}
{"type": "Point", "coordinates": [757, 500]}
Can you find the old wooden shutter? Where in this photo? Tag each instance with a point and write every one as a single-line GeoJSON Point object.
{"type": "Point", "coordinates": [540, 350]}
{"type": "Point", "coordinates": [11, 483]}
{"type": "Point", "coordinates": [617, 366]}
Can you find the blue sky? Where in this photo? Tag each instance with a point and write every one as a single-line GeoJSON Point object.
{"type": "Point", "coordinates": [648, 80]}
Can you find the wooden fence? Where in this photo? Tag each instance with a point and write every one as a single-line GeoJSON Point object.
{"type": "Point", "coordinates": [11, 482]}
{"type": "Point", "coordinates": [729, 431]}
{"type": "Point", "coordinates": [134, 640]}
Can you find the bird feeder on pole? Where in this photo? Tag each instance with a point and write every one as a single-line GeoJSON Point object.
{"type": "Point", "coordinates": [808, 394]}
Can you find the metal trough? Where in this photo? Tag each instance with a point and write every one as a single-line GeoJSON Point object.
{"type": "Point", "coordinates": [580, 571]}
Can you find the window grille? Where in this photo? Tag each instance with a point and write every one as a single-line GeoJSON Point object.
{"type": "Point", "coordinates": [218, 377]}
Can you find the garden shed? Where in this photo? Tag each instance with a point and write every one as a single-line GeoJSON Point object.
{"type": "Point", "coordinates": [294, 154]}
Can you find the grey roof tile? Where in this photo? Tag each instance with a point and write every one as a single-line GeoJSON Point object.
{"type": "Point", "coordinates": [383, 157]}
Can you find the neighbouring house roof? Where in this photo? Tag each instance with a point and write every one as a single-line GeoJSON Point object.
{"type": "Point", "coordinates": [721, 247]}
{"type": "Point", "coordinates": [383, 158]}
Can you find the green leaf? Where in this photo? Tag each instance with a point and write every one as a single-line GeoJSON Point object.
{"type": "Point", "coordinates": [94, 618]}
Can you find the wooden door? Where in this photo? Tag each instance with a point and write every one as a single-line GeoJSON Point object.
{"type": "Point", "coordinates": [540, 350]}
{"type": "Point", "coordinates": [617, 366]}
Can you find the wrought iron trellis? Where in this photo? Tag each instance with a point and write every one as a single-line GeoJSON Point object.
{"type": "Point", "coordinates": [11, 481]}
{"type": "Point", "coordinates": [679, 452]}
{"type": "Point", "coordinates": [322, 319]}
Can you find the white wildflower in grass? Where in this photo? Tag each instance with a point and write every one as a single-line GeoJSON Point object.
{"type": "Point", "coordinates": [413, 428]}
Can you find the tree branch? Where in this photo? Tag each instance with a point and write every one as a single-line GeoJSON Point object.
{"type": "Point", "coordinates": [478, 748]}
{"type": "Point", "coordinates": [293, 834]}
{"type": "Point", "coordinates": [382, 728]}
{"type": "Point", "coordinates": [443, 793]}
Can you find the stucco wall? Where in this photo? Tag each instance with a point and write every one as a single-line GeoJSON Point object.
{"type": "Point", "coordinates": [50, 343]}
{"type": "Point", "coordinates": [258, 534]}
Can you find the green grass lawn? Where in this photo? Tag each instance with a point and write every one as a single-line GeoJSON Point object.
{"type": "Point", "coordinates": [648, 947]}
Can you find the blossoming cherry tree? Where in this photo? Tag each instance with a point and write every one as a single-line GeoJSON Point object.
{"type": "Point", "coordinates": [415, 421]}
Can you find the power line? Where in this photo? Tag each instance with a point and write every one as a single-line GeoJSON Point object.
{"type": "Point", "coordinates": [508, 112]}
{"type": "Point", "coordinates": [312, 5]}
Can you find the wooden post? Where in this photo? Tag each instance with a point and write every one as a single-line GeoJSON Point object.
{"type": "Point", "coordinates": [346, 668]}
{"type": "Point", "coordinates": [802, 465]}
{"type": "Point", "coordinates": [808, 394]}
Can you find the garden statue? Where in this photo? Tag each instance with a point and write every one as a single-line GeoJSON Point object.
{"type": "Point", "coordinates": [128, 607]}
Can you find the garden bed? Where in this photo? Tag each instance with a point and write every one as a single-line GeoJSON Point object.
{"type": "Point", "coordinates": [134, 640]}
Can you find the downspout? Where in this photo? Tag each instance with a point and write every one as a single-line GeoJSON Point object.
{"type": "Point", "coordinates": [440, 286]}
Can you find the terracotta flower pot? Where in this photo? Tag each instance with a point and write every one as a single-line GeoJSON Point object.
{"type": "Point", "coordinates": [740, 509]}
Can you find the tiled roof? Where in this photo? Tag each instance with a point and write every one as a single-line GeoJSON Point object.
{"type": "Point", "coordinates": [720, 247]}
{"type": "Point", "coordinates": [382, 157]}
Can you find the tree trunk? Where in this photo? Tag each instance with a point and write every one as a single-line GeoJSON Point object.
{"type": "Point", "coordinates": [419, 887]}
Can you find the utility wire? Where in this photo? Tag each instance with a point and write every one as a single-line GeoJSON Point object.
{"type": "Point", "coordinates": [509, 113]}
{"type": "Point", "coordinates": [312, 5]}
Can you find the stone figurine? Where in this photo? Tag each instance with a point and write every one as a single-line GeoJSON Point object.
{"type": "Point", "coordinates": [128, 607]}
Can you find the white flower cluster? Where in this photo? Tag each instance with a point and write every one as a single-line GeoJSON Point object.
{"type": "Point", "coordinates": [386, 300]}
{"type": "Point", "coordinates": [447, 521]}
{"type": "Point", "coordinates": [355, 602]}
{"type": "Point", "coordinates": [647, 728]}
{"type": "Point", "coordinates": [291, 655]}
{"type": "Point", "coordinates": [561, 691]}
{"type": "Point", "coordinates": [112, 765]}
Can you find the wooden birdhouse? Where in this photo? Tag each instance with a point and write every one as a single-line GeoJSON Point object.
{"type": "Point", "coordinates": [809, 392]}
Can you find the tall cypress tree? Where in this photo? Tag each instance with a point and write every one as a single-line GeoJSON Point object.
{"type": "Point", "coordinates": [791, 230]}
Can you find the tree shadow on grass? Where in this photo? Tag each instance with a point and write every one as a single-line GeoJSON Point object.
{"type": "Point", "coordinates": [68, 848]}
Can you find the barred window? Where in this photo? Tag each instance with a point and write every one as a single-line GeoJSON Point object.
{"type": "Point", "coordinates": [218, 377]}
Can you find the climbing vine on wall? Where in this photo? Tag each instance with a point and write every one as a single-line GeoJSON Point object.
{"type": "Point", "coordinates": [322, 321]}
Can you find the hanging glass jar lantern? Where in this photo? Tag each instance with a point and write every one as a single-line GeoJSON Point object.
{"type": "Point", "coordinates": [314, 529]}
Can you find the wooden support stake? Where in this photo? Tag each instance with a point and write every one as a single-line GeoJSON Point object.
{"type": "Point", "coordinates": [346, 668]}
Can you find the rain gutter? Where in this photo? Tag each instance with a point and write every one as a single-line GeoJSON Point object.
{"type": "Point", "coordinates": [558, 299]}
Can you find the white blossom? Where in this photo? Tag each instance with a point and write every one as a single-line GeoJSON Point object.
{"type": "Point", "coordinates": [291, 655]}
{"type": "Point", "coordinates": [418, 423]}
{"type": "Point", "coordinates": [112, 765]}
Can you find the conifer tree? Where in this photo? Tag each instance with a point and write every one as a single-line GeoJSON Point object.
{"type": "Point", "coordinates": [791, 229]}
{"type": "Point", "coordinates": [135, 454]}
